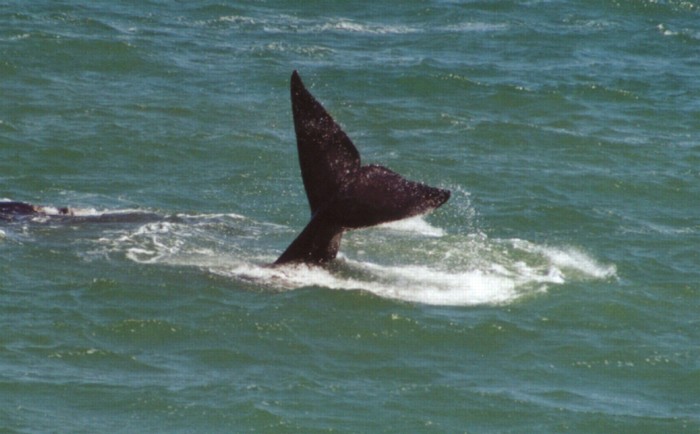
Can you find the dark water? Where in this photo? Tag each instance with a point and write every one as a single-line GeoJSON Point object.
{"type": "Point", "coordinates": [557, 291]}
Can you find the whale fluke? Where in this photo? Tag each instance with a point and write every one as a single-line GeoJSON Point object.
{"type": "Point", "coordinates": [342, 193]}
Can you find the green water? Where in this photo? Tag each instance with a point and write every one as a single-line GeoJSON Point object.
{"type": "Point", "coordinates": [557, 290]}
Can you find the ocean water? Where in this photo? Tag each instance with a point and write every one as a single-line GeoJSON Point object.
{"type": "Point", "coordinates": [557, 291]}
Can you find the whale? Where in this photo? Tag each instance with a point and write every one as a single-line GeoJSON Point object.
{"type": "Point", "coordinates": [12, 209]}
{"type": "Point", "coordinates": [343, 193]}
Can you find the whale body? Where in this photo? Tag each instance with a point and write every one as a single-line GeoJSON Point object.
{"type": "Point", "coordinates": [11, 209]}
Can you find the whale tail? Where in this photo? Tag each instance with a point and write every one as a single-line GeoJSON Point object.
{"type": "Point", "coordinates": [342, 193]}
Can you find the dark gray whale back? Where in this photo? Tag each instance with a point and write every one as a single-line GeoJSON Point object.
{"type": "Point", "coordinates": [342, 193]}
{"type": "Point", "coordinates": [17, 208]}
{"type": "Point", "coordinates": [10, 210]}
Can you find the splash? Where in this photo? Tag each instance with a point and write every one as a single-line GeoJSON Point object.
{"type": "Point", "coordinates": [467, 272]}
{"type": "Point", "coordinates": [410, 261]}
{"type": "Point", "coordinates": [416, 225]}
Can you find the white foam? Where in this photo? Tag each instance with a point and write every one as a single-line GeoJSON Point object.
{"type": "Point", "coordinates": [570, 259]}
{"type": "Point", "coordinates": [211, 216]}
{"type": "Point", "coordinates": [416, 225]}
{"type": "Point", "coordinates": [188, 240]}
{"type": "Point", "coordinates": [285, 23]}
{"type": "Point", "coordinates": [442, 270]}
{"type": "Point", "coordinates": [19, 37]}
{"type": "Point", "coordinates": [346, 25]}
{"type": "Point", "coordinates": [53, 211]}
{"type": "Point", "coordinates": [470, 26]}
{"type": "Point", "coordinates": [665, 31]}
{"type": "Point", "coordinates": [418, 284]}
{"type": "Point", "coordinates": [496, 278]}
{"type": "Point", "coordinates": [431, 285]}
{"type": "Point", "coordinates": [238, 19]}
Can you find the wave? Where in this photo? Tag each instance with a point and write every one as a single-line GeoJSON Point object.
{"type": "Point", "coordinates": [292, 24]}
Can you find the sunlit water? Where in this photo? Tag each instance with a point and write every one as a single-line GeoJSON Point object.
{"type": "Point", "coordinates": [557, 290]}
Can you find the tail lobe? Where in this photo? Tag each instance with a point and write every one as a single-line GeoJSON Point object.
{"type": "Point", "coordinates": [327, 156]}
